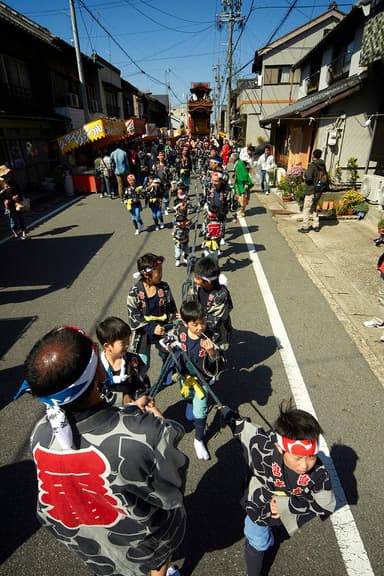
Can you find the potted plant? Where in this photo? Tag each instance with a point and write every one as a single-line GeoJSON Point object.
{"type": "Point", "coordinates": [349, 200]}
{"type": "Point", "coordinates": [291, 182]}
{"type": "Point", "coordinates": [338, 173]}
{"type": "Point", "coordinates": [287, 196]}
{"type": "Point", "coordinates": [353, 172]}
{"type": "Point", "coordinates": [285, 188]}
{"type": "Point", "coordinates": [340, 208]}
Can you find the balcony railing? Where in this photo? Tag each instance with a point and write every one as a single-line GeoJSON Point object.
{"type": "Point", "coordinates": [312, 82]}
{"type": "Point", "coordinates": [339, 67]}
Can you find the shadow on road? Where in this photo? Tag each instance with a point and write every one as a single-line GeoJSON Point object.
{"type": "Point", "coordinates": [42, 266]}
{"type": "Point", "coordinates": [247, 379]}
{"type": "Point", "coordinates": [18, 509]}
{"type": "Point", "coordinates": [11, 329]}
{"type": "Point", "coordinates": [215, 519]}
{"type": "Point", "coordinates": [345, 460]}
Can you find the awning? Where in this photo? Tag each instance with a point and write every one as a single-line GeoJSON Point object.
{"type": "Point", "coordinates": [110, 129]}
{"type": "Point", "coordinates": [316, 101]}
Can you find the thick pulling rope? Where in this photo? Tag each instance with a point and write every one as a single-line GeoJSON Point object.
{"type": "Point", "coordinates": [187, 287]}
{"type": "Point", "coordinates": [173, 361]}
{"type": "Point", "coordinates": [195, 378]}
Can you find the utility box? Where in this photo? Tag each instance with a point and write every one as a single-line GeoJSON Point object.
{"type": "Point", "coordinates": [332, 138]}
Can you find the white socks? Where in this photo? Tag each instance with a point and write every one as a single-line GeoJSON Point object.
{"type": "Point", "coordinates": [201, 450]}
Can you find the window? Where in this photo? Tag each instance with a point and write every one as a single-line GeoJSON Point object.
{"type": "Point", "coordinates": [280, 75]}
{"type": "Point", "coordinates": [271, 75]}
{"type": "Point", "coordinates": [14, 76]}
{"type": "Point", "coordinates": [340, 65]}
{"type": "Point", "coordinates": [15, 72]}
{"type": "Point", "coordinates": [112, 103]}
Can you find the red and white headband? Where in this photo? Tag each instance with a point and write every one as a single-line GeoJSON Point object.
{"type": "Point", "coordinates": [298, 447]}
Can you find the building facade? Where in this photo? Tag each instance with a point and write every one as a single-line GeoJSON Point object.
{"type": "Point", "coordinates": [276, 85]}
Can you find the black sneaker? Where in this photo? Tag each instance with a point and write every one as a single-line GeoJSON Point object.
{"type": "Point", "coordinates": [304, 230]}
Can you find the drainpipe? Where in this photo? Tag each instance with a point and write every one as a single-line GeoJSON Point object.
{"type": "Point", "coordinates": [371, 145]}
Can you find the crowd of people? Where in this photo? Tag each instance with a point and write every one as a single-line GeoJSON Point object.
{"type": "Point", "coordinates": [110, 470]}
{"type": "Point", "coordinates": [158, 177]}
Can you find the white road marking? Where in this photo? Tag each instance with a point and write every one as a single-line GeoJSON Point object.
{"type": "Point", "coordinates": [348, 537]}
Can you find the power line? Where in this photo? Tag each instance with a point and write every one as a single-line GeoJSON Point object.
{"type": "Point", "coordinates": [124, 51]}
{"type": "Point", "coordinates": [243, 26]}
{"type": "Point", "coordinates": [163, 25]}
{"type": "Point", "coordinates": [172, 15]}
{"type": "Point", "coordinates": [115, 41]}
{"type": "Point", "coordinates": [86, 30]}
{"type": "Point", "coordinates": [271, 36]}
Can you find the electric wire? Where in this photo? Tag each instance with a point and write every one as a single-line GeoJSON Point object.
{"type": "Point", "coordinates": [160, 24]}
{"type": "Point", "coordinates": [172, 15]}
{"type": "Point", "coordinates": [124, 51]}
{"type": "Point", "coordinates": [86, 30]}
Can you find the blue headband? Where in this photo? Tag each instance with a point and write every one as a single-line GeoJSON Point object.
{"type": "Point", "coordinates": [70, 393]}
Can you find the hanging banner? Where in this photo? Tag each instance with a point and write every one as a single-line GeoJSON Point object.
{"type": "Point", "coordinates": [135, 126]}
{"type": "Point", "coordinates": [108, 128]}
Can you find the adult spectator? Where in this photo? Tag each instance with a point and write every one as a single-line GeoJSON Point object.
{"type": "Point", "coordinates": [111, 479]}
{"type": "Point", "coordinates": [225, 153]}
{"type": "Point", "coordinates": [246, 154]}
{"type": "Point", "coordinates": [108, 175]}
{"type": "Point", "coordinates": [312, 193]}
{"type": "Point", "coordinates": [266, 163]}
{"type": "Point", "coordinates": [13, 202]}
{"type": "Point", "coordinates": [98, 172]}
{"type": "Point", "coordinates": [242, 186]}
{"type": "Point", "coordinates": [120, 165]}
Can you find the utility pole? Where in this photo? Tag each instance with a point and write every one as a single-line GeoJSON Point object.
{"type": "Point", "coordinates": [83, 89]}
{"type": "Point", "coordinates": [168, 84]}
{"type": "Point", "coordinates": [231, 15]}
{"type": "Point", "coordinates": [219, 80]}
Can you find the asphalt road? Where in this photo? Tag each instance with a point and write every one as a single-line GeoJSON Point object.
{"type": "Point", "coordinates": [76, 269]}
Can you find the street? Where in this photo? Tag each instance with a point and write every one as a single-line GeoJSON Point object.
{"type": "Point", "coordinates": [76, 268]}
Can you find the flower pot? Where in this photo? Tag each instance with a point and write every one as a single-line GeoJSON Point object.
{"type": "Point", "coordinates": [288, 198]}
{"type": "Point", "coordinates": [380, 230]}
{"type": "Point", "coordinates": [349, 211]}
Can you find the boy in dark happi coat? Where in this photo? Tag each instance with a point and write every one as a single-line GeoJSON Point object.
{"type": "Point", "coordinates": [151, 306]}
{"type": "Point", "coordinates": [288, 485]}
{"type": "Point", "coordinates": [206, 357]}
{"type": "Point", "coordinates": [214, 295]}
{"type": "Point", "coordinates": [127, 371]}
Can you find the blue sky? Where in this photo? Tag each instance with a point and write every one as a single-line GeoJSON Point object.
{"type": "Point", "coordinates": [159, 42]}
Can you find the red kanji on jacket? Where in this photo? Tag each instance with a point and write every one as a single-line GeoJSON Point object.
{"type": "Point", "coordinates": [276, 470]}
{"type": "Point", "coordinates": [296, 491]}
{"type": "Point", "coordinates": [303, 480]}
{"type": "Point", "coordinates": [74, 488]}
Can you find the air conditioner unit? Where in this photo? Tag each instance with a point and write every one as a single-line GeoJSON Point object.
{"type": "Point", "coordinates": [72, 100]}
{"type": "Point", "coordinates": [372, 188]}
